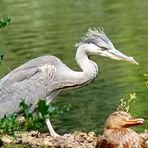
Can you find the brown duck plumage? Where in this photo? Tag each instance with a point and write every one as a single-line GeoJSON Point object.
{"type": "Point", "coordinates": [117, 133]}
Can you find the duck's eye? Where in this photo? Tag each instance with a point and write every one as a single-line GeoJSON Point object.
{"type": "Point", "coordinates": [104, 48]}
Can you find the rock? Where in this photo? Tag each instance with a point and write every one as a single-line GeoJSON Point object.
{"type": "Point", "coordinates": [7, 139]}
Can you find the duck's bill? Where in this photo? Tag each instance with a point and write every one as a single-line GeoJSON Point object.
{"type": "Point", "coordinates": [115, 54]}
{"type": "Point", "coordinates": [134, 122]}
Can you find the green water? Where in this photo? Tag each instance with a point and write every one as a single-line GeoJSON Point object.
{"type": "Point", "coordinates": [53, 27]}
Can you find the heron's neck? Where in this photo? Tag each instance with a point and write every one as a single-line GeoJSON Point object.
{"type": "Point", "coordinates": [89, 68]}
{"type": "Point", "coordinates": [74, 79]}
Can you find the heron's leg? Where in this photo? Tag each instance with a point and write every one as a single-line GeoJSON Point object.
{"type": "Point", "coordinates": [50, 128]}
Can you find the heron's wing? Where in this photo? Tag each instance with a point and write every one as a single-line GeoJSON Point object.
{"type": "Point", "coordinates": [24, 74]}
{"type": "Point", "coordinates": [18, 76]}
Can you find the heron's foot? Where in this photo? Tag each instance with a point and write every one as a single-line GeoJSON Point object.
{"type": "Point", "coordinates": [66, 135]}
{"type": "Point", "coordinates": [55, 135]}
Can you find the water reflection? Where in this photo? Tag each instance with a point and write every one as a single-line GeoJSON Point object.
{"type": "Point", "coordinates": [53, 27]}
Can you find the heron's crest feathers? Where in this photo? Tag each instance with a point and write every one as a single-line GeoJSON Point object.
{"type": "Point", "coordinates": [94, 35]}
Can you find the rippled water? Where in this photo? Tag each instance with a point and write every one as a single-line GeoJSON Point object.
{"type": "Point", "coordinates": [53, 27]}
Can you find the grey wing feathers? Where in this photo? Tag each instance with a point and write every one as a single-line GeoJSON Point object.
{"type": "Point", "coordinates": [18, 76]}
{"type": "Point", "coordinates": [29, 69]}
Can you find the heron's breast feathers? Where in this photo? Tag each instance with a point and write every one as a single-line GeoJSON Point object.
{"type": "Point", "coordinates": [48, 69]}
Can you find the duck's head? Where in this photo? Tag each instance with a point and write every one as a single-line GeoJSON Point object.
{"type": "Point", "coordinates": [121, 119]}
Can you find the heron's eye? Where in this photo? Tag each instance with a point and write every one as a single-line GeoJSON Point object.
{"type": "Point", "coordinates": [104, 48]}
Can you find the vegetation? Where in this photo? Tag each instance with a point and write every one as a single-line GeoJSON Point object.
{"type": "Point", "coordinates": [3, 23]}
{"type": "Point", "coordinates": [34, 119]}
{"type": "Point", "coordinates": [8, 124]}
{"type": "Point", "coordinates": [1, 56]}
{"type": "Point", "coordinates": [125, 104]}
{"type": "Point", "coordinates": [146, 77]}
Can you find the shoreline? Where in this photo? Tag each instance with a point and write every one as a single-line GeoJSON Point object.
{"type": "Point", "coordinates": [76, 139]}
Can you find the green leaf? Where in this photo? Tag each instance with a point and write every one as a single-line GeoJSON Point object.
{"type": "Point", "coordinates": [27, 112]}
{"type": "Point", "coordinates": [4, 22]}
{"type": "Point", "coordinates": [42, 107]}
{"type": "Point", "coordinates": [23, 105]}
{"type": "Point", "coordinates": [1, 56]}
{"type": "Point", "coordinates": [51, 109]}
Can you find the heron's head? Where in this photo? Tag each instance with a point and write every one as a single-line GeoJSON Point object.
{"type": "Point", "coordinates": [96, 42]}
{"type": "Point", "coordinates": [121, 119]}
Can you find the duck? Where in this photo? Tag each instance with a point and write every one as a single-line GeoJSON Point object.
{"type": "Point", "coordinates": [118, 134]}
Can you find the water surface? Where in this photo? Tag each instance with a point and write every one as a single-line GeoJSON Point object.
{"type": "Point", "coordinates": [53, 27]}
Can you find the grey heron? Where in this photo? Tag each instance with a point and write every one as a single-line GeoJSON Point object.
{"type": "Point", "coordinates": [46, 76]}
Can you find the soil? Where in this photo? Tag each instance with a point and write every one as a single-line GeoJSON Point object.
{"type": "Point", "coordinates": [36, 139]}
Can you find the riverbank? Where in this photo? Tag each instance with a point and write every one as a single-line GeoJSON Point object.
{"type": "Point", "coordinates": [74, 140]}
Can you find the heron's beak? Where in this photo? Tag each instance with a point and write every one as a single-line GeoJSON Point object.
{"type": "Point", "coordinates": [115, 54]}
{"type": "Point", "coordinates": [134, 122]}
